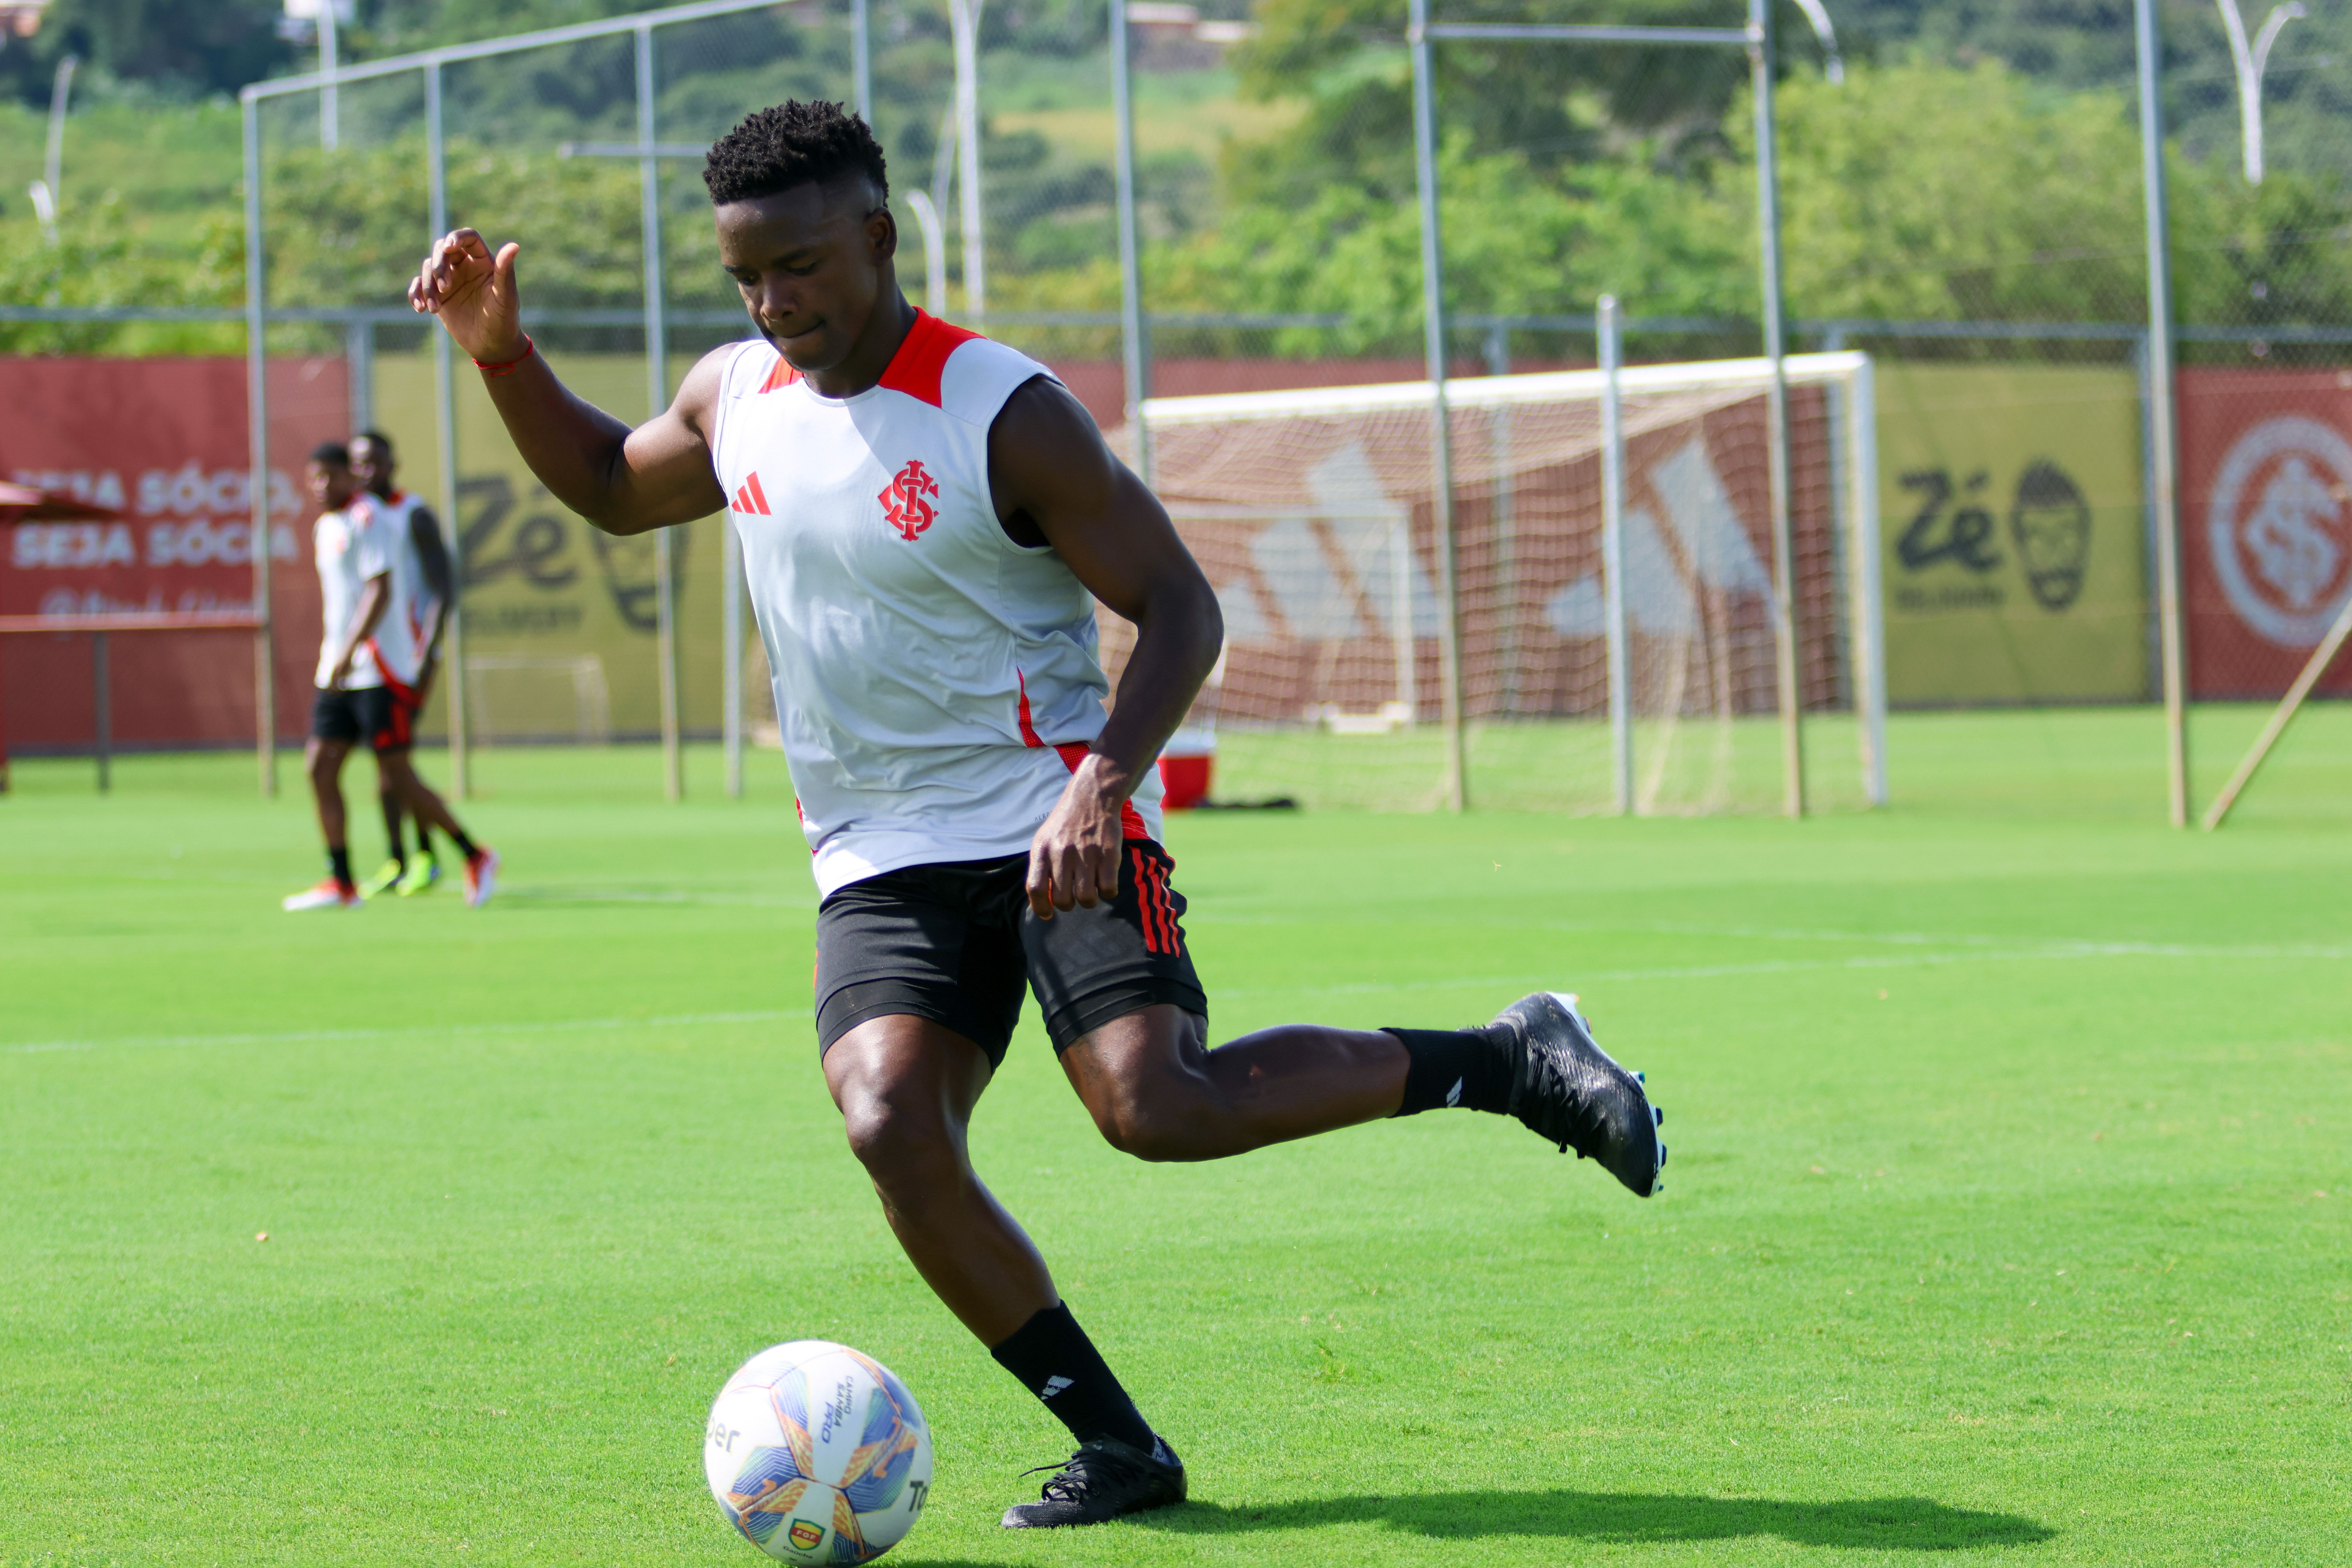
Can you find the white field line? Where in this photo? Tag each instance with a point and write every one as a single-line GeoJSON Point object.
{"type": "Point", "coordinates": [2048, 953]}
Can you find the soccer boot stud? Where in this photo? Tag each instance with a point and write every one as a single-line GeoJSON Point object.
{"type": "Point", "coordinates": [1104, 1480]}
{"type": "Point", "coordinates": [1566, 1090]}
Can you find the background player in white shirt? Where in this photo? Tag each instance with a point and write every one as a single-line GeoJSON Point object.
{"type": "Point", "coordinates": [923, 515]}
{"type": "Point", "coordinates": [367, 660]}
{"type": "Point", "coordinates": [421, 581]}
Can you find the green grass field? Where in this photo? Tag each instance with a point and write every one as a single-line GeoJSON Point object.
{"type": "Point", "coordinates": [2010, 1215]}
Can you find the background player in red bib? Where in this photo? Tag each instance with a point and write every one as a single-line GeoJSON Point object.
{"type": "Point", "coordinates": [368, 660]}
{"type": "Point", "coordinates": [421, 581]}
{"type": "Point", "coordinates": [978, 820]}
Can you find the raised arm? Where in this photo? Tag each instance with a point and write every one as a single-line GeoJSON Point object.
{"type": "Point", "coordinates": [1056, 482]}
{"type": "Point", "coordinates": [621, 479]}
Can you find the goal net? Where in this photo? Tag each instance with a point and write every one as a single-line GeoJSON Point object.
{"type": "Point", "coordinates": [1312, 512]}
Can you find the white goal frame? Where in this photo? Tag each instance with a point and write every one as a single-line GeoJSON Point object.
{"type": "Point", "coordinates": [1853, 435]}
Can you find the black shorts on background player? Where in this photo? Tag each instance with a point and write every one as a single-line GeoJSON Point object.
{"type": "Point", "coordinates": [958, 943]}
{"type": "Point", "coordinates": [372, 715]}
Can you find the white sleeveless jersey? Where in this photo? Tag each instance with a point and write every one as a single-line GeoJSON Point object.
{"type": "Point", "coordinates": [403, 634]}
{"type": "Point", "coordinates": [349, 547]}
{"type": "Point", "coordinates": [936, 683]}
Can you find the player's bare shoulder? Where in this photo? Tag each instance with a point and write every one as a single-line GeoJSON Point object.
{"type": "Point", "coordinates": [696, 403]}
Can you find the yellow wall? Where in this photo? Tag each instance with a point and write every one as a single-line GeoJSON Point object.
{"type": "Point", "coordinates": [2013, 534]}
{"type": "Point", "coordinates": [542, 583]}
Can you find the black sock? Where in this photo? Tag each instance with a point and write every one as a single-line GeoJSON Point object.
{"type": "Point", "coordinates": [338, 866]}
{"type": "Point", "coordinates": [424, 841]}
{"type": "Point", "coordinates": [1055, 1360]}
{"type": "Point", "coordinates": [464, 845]}
{"type": "Point", "coordinates": [392, 829]}
{"type": "Point", "coordinates": [1453, 1067]}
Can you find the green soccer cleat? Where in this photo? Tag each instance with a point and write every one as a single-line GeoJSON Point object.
{"type": "Point", "coordinates": [424, 873]}
{"type": "Point", "coordinates": [387, 876]}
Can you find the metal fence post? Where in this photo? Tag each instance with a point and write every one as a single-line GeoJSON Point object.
{"type": "Point", "coordinates": [1868, 613]}
{"type": "Point", "coordinates": [1432, 310]}
{"type": "Point", "coordinates": [657, 399]}
{"type": "Point", "coordinates": [1505, 495]}
{"type": "Point", "coordinates": [861, 61]}
{"type": "Point", "coordinates": [963, 21]}
{"type": "Point", "coordinates": [256, 397]}
{"type": "Point", "coordinates": [730, 629]}
{"type": "Point", "coordinates": [359, 367]}
{"type": "Point", "coordinates": [444, 394]}
{"type": "Point", "coordinates": [1612, 554]}
{"type": "Point", "coordinates": [2160, 432]}
{"type": "Point", "coordinates": [1135, 350]}
{"type": "Point", "coordinates": [1789, 659]}
{"type": "Point", "coordinates": [331, 111]}
{"type": "Point", "coordinates": [102, 682]}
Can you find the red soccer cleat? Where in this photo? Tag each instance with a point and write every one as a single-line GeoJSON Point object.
{"type": "Point", "coordinates": [329, 894]}
{"type": "Point", "coordinates": [481, 877]}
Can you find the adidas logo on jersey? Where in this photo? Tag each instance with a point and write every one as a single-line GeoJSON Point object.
{"type": "Point", "coordinates": [750, 498]}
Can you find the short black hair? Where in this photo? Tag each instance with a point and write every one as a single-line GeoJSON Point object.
{"type": "Point", "coordinates": [334, 453]}
{"type": "Point", "coordinates": [378, 437]}
{"type": "Point", "coordinates": [794, 143]}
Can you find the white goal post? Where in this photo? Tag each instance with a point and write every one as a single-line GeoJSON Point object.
{"type": "Point", "coordinates": [1645, 687]}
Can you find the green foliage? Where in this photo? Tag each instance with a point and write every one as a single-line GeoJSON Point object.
{"type": "Point", "coordinates": [178, 48]}
{"type": "Point", "coordinates": [347, 227]}
{"type": "Point", "coordinates": [97, 262]}
{"type": "Point", "coordinates": [1915, 191]}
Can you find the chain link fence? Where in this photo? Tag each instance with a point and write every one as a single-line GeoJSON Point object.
{"type": "Point", "coordinates": [1961, 199]}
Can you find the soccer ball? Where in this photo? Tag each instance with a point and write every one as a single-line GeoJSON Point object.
{"type": "Point", "coordinates": [817, 1453]}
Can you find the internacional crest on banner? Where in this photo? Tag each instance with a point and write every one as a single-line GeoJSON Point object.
{"type": "Point", "coordinates": [2280, 528]}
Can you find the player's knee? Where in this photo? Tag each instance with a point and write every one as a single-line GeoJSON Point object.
{"type": "Point", "coordinates": [1157, 1130]}
{"type": "Point", "coordinates": [898, 1145]}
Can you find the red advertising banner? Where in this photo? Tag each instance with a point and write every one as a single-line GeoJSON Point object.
{"type": "Point", "coordinates": [2265, 525]}
{"type": "Point", "coordinates": [164, 442]}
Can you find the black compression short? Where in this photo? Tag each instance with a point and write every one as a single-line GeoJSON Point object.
{"type": "Point", "coordinates": [958, 944]}
{"type": "Point", "coordinates": [383, 716]}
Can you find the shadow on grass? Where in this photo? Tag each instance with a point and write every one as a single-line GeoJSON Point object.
{"type": "Point", "coordinates": [1920, 1524]}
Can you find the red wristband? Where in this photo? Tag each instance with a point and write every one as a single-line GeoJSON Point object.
{"type": "Point", "coordinates": [507, 366]}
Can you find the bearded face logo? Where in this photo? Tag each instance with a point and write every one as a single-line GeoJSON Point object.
{"type": "Point", "coordinates": [907, 500]}
{"type": "Point", "coordinates": [2052, 525]}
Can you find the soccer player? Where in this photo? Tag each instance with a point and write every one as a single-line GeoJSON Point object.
{"type": "Point", "coordinates": [367, 661]}
{"type": "Point", "coordinates": [927, 519]}
{"type": "Point", "coordinates": [421, 583]}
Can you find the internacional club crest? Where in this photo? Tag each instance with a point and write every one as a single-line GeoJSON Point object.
{"type": "Point", "coordinates": [907, 500]}
{"type": "Point", "coordinates": [2280, 527]}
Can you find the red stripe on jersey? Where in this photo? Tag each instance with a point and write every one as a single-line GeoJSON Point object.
{"type": "Point", "coordinates": [1073, 752]}
{"type": "Point", "coordinates": [922, 358]}
{"type": "Point", "coordinates": [1029, 736]}
{"type": "Point", "coordinates": [759, 496]}
{"type": "Point", "coordinates": [783, 374]}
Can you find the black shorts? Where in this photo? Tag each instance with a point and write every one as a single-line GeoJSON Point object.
{"type": "Point", "coordinates": [383, 716]}
{"type": "Point", "coordinates": [958, 944]}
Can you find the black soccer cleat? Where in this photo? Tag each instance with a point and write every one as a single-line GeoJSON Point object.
{"type": "Point", "coordinates": [1568, 1090]}
{"type": "Point", "coordinates": [1104, 1480]}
